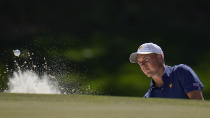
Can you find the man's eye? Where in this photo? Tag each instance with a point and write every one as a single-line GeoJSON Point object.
{"type": "Point", "coordinates": [144, 62]}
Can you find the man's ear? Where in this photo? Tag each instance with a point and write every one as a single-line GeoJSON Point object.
{"type": "Point", "coordinates": [160, 57]}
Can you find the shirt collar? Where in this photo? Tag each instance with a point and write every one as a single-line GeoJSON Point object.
{"type": "Point", "coordinates": [166, 72]}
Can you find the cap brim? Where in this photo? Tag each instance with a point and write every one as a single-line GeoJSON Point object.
{"type": "Point", "coordinates": [133, 56]}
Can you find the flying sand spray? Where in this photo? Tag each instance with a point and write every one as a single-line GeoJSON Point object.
{"type": "Point", "coordinates": [28, 81]}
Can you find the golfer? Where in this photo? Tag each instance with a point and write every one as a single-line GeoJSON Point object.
{"type": "Point", "coordinates": [178, 81]}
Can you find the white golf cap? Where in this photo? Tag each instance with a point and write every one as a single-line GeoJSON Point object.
{"type": "Point", "coordinates": [146, 48]}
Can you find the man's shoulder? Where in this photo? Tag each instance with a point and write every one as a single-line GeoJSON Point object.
{"type": "Point", "coordinates": [181, 67]}
{"type": "Point", "coordinates": [183, 71]}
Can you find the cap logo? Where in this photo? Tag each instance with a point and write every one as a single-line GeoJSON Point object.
{"type": "Point", "coordinates": [139, 47]}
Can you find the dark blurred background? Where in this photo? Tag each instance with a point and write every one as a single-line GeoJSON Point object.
{"type": "Point", "coordinates": [88, 43]}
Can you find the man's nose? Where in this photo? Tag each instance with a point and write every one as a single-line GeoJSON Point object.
{"type": "Point", "coordinates": [143, 66]}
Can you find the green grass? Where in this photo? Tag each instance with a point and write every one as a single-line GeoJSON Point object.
{"type": "Point", "coordinates": [86, 106]}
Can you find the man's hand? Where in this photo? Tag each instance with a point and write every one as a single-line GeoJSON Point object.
{"type": "Point", "coordinates": [195, 94]}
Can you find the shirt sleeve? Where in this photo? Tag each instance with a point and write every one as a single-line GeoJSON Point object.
{"type": "Point", "coordinates": [188, 78]}
{"type": "Point", "coordinates": [147, 95]}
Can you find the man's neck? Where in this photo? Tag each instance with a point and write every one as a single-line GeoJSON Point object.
{"type": "Point", "coordinates": [158, 82]}
{"type": "Point", "coordinates": [158, 77]}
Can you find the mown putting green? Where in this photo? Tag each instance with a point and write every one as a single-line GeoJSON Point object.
{"type": "Point", "coordinates": [86, 106]}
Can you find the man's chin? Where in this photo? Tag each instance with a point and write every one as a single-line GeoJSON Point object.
{"type": "Point", "coordinates": [148, 75]}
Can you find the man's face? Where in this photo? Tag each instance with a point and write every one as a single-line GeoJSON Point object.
{"type": "Point", "coordinates": [150, 63]}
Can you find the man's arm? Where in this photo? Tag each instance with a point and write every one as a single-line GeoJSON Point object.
{"type": "Point", "coordinates": [195, 94]}
{"type": "Point", "coordinates": [190, 82]}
